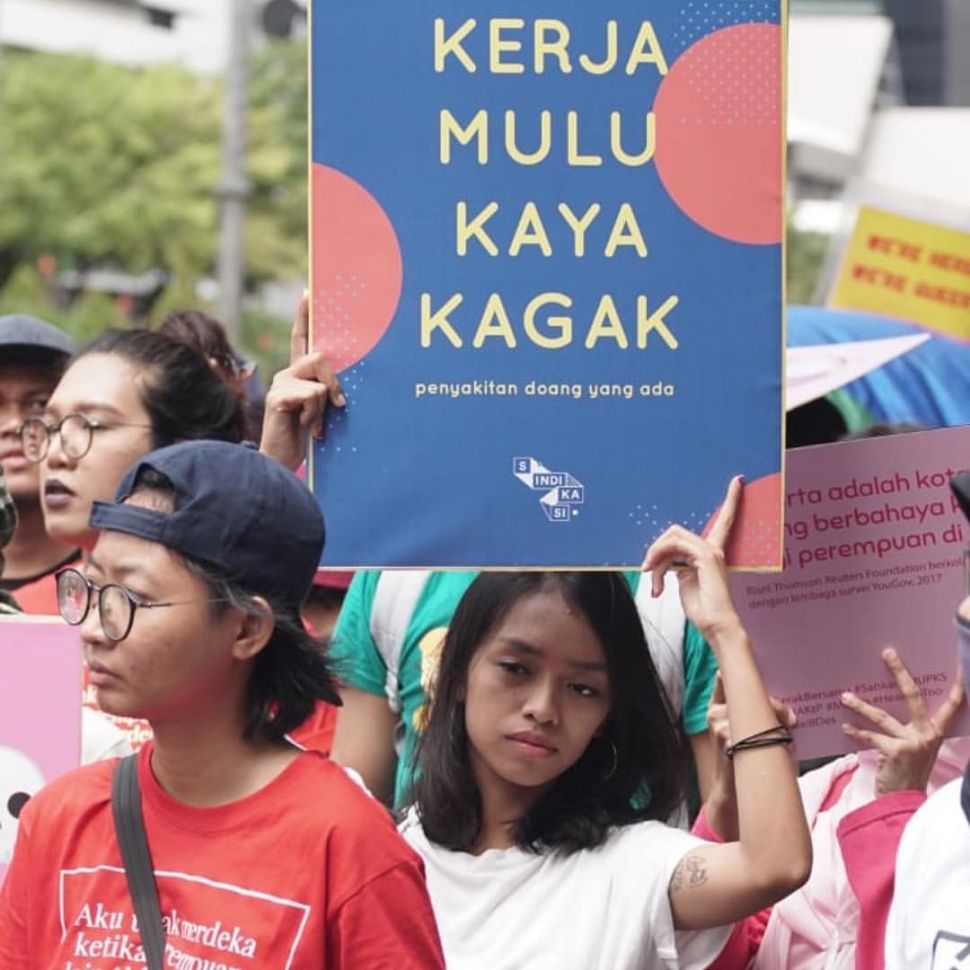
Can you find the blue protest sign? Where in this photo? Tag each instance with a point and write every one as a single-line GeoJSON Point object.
{"type": "Point", "coordinates": [546, 259]}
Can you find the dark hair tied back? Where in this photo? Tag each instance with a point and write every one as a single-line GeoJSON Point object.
{"type": "Point", "coordinates": [184, 397]}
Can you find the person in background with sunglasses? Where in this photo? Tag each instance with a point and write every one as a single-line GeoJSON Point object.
{"type": "Point", "coordinates": [264, 854]}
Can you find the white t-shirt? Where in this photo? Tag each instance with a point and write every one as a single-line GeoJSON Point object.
{"type": "Point", "coordinates": [929, 921]}
{"type": "Point", "coordinates": [597, 909]}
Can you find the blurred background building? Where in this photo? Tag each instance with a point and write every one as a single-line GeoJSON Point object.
{"type": "Point", "coordinates": [138, 33]}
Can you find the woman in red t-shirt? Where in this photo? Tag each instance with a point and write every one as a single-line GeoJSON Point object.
{"type": "Point", "coordinates": [264, 854]}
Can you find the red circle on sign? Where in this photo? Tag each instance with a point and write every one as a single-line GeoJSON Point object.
{"type": "Point", "coordinates": [719, 133]}
{"type": "Point", "coordinates": [357, 268]}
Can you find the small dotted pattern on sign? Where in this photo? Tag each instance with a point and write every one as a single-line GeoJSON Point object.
{"type": "Point", "coordinates": [755, 537]}
{"type": "Point", "coordinates": [735, 79]}
{"type": "Point", "coordinates": [700, 17]}
{"type": "Point", "coordinates": [334, 313]}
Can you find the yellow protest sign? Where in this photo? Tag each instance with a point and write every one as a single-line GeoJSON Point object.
{"type": "Point", "coordinates": [906, 268]}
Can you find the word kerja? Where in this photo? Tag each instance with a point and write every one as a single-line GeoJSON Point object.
{"type": "Point", "coordinates": [551, 42]}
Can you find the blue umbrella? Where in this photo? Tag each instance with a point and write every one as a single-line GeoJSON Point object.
{"type": "Point", "coordinates": [929, 385]}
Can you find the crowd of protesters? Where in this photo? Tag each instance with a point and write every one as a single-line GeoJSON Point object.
{"type": "Point", "coordinates": [495, 771]}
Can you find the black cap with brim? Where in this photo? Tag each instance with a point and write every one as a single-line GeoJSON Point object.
{"type": "Point", "coordinates": [23, 332]}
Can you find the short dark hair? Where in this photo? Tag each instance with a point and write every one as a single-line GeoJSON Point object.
{"type": "Point", "coordinates": [185, 399]}
{"type": "Point", "coordinates": [291, 673]}
{"type": "Point", "coordinates": [646, 780]}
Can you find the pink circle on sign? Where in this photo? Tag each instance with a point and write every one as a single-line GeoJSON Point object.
{"type": "Point", "coordinates": [756, 536]}
{"type": "Point", "coordinates": [357, 268]}
{"type": "Point", "coordinates": [719, 133]}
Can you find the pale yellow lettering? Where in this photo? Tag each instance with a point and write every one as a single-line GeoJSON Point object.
{"type": "Point", "coordinates": [579, 225]}
{"type": "Point", "coordinates": [606, 324]}
{"type": "Point", "coordinates": [646, 50]}
{"type": "Point", "coordinates": [476, 128]}
{"type": "Point", "coordinates": [545, 139]}
{"type": "Point", "coordinates": [609, 58]}
{"type": "Point", "coordinates": [498, 45]}
{"type": "Point", "coordinates": [443, 46]}
{"type": "Point", "coordinates": [439, 319]}
{"type": "Point", "coordinates": [655, 321]}
{"type": "Point", "coordinates": [530, 232]}
{"type": "Point", "coordinates": [494, 323]}
{"type": "Point", "coordinates": [616, 140]}
{"type": "Point", "coordinates": [561, 323]}
{"type": "Point", "coordinates": [544, 47]}
{"type": "Point", "coordinates": [465, 230]}
{"type": "Point", "coordinates": [573, 154]}
{"type": "Point", "coordinates": [625, 232]}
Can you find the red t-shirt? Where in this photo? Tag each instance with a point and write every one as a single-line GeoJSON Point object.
{"type": "Point", "coordinates": [316, 732]}
{"type": "Point", "coordinates": [37, 595]}
{"type": "Point", "coordinates": [306, 874]}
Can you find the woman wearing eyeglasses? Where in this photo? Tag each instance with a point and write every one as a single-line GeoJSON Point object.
{"type": "Point", "coordinates": [262, 854]}
{"type": "Point", "coordinates": [126, 393]}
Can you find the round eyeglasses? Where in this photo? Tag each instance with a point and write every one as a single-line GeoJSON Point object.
{"type": "Point", "coordinates": [76, 431]}
{"type": "Point", "coordinates": [116, 605]}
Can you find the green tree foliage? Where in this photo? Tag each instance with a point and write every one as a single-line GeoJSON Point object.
{"type": "Point", "coordinates": [108, 166]}
{"type": "Point", "coordinates": [806, 252]}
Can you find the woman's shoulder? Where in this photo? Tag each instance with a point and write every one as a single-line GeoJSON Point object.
{"type": "Point", "coordinates": [649, 832]}
{"type": "Point", "coordinates": [335, 797]}
{"type": "Point", "coordinates": [78, 792]}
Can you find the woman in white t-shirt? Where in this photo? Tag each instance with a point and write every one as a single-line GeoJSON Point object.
{"type": "Point", "coordinates": [551, 759]}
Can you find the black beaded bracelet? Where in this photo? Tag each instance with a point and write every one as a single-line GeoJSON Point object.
{"type": "Point", "coordinates": [778, 734]}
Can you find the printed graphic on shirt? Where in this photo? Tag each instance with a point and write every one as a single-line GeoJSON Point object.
{"type": "Point", "coordinates": [951, 951]}
{"type": "Point", "coordinates": [430, 647]}
{"type": "Point", "coordinates": [561, 492]}
{"type": "Point", "coordinates": [208, 925]}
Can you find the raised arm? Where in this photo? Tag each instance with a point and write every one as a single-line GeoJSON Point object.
{"type": "Point", "coordinates": [297, 397]}
{"type": "Point", "coordinates": [719, 884]}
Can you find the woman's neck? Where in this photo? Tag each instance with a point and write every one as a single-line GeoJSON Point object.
{"type": "Point", "coordinates": [502, 807]}
{"type": "Point", "coordinates": [208, 762]}
{"type": "Point", "coordinates": [31, 551]}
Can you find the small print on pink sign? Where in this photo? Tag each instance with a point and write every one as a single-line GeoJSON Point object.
{"type": "Point", "coordinates": [874, 544]}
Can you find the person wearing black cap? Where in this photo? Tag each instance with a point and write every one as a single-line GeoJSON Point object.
{"type": "Point", "coordinates": [33, 355]}
{"type": "Point", "coordinates": [264, 854]}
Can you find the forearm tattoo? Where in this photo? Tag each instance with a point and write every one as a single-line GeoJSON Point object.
{"type": "Point", "coordinates": [690, 873]}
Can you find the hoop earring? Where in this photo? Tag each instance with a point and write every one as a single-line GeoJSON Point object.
{"type": "Point", "coordinates": [614, 765]}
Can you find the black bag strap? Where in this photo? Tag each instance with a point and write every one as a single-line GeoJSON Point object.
{"type": "Point", "coordinates": [130, 830]}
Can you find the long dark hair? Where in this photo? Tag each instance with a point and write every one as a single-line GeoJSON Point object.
{"type": "Point", "coordinates": [185, 399]}
{"type": "Point", "coordinates": [646, 778]}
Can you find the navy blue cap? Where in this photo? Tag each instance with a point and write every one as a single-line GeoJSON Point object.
{"type": "Point", "coordinates": [25, 331]}
{"type": "Point", "coordinates": [237, 511]}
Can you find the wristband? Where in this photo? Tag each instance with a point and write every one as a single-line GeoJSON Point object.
{"type": "Point", "coordinates": [778, 734]}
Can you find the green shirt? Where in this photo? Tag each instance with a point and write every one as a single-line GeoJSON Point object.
{"type": "Point", "coordinates": [358, 662]}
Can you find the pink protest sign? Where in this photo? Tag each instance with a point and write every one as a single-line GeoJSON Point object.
{"type": "Point", "coordinates": [40, 713]}
{"type": "Point", "coordinates": [873, 558]}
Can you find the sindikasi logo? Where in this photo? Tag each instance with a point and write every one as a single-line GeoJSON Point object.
{"type": "Point", "coordinates": [562, 493]}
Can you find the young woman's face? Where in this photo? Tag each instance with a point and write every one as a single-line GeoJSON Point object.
{"type": "Point", "coordinates": [176, 661]}
{"type": "Point", "coordinates": [537, 694]}
{"type": "Point", "coordinates": [105, 389]}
